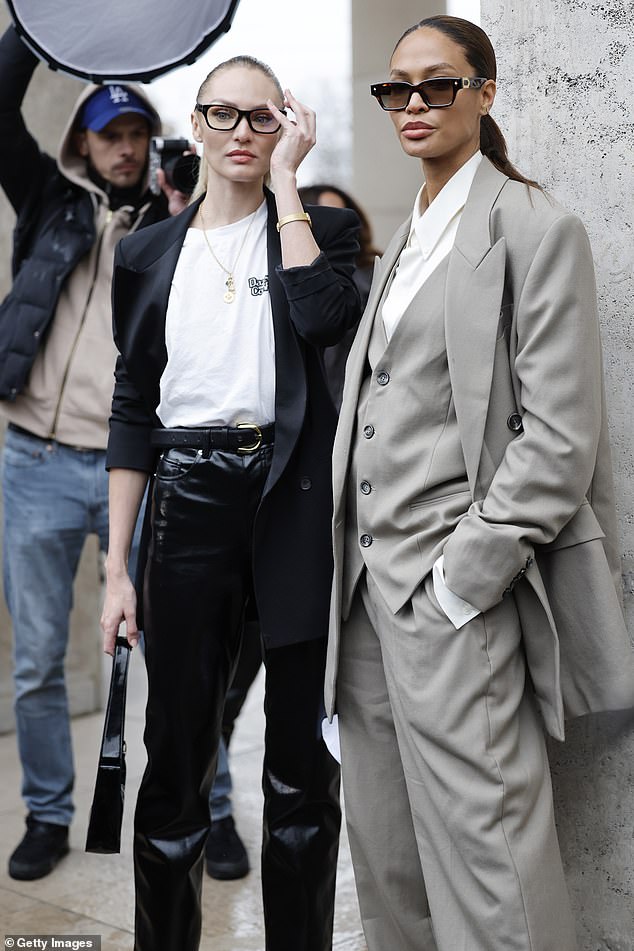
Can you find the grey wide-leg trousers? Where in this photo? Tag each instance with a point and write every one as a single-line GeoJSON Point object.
{"type": "Point", "coordinates": [446, 782]}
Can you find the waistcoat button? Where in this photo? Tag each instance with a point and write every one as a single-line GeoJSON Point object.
{"type": "Point", "coordinates": [305, 483]}
{"type": "Point", "coordinates": [383, 378]}
{"type": "Point", "coordinates": [365, 487]}
{"type": "Point", "coordinates": [514, 423]}
{"type": "Point", "coordinates": [368, 432]}
{"type": "Point", "coordinates": [366, 541]}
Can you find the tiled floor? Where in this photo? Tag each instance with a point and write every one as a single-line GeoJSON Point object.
{"type": "Point", "coordinates": [92, 894]}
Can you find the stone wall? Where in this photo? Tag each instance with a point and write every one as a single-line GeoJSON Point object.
{"type": "Point", "coordinates": [565, 104]}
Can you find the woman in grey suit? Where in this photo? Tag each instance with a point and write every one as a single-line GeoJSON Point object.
{"type": "Point", "coordinates": [475, 569]}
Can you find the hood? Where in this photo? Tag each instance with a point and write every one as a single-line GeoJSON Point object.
{"type": "Point", "coordinates": [72, 165]}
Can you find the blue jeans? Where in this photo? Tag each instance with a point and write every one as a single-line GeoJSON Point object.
{"type": "Point", "coordinates": [54, 497]}
{"type": "Point", "coordinates": [220, 794]}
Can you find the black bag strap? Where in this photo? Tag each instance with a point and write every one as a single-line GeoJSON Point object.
{"type": "Point", "coordinates": [112, 742]}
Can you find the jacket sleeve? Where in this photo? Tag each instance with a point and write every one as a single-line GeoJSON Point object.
{"type": "Point", "coordinates": [131, 422]}
{"type": "Point", "coordinates": [546, 470]}
{"type": "Point", "coordinates": [21, 161]}
{"type": "Point", "coordinates": [130, 427]}
{"type": "Point", "coordinates": [323, 297]}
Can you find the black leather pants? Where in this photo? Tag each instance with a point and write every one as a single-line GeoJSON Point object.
{"type": "Point", "coordinates": [249, 663]}
{"type": "Point", "coordinates": [301, 803]}
{"type": "Point", "coordinates": [198, 582]}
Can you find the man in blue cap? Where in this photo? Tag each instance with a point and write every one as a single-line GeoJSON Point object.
{"type": "Point", "coordinates": [57, 360]}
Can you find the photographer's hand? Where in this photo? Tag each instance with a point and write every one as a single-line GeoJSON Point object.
{"type": "Point", "coordinates": [176, 201]}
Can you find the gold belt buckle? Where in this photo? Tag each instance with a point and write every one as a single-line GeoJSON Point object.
{"type": "Point", "coordinates": [258, 437]}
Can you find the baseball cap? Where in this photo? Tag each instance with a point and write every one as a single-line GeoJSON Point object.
{"type": "Point", "coordinates": [108, 103]}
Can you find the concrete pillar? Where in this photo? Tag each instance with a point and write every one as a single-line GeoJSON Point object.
{"type": "Point", "coordinates": [48, 103]}
{"type": "Point", "coordinates": [564, 104]}
{"type": "Point", "coordinates": [383, 181]}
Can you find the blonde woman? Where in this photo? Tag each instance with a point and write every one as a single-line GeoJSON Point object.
{"type": "Point", "coordinates": [220, 318]}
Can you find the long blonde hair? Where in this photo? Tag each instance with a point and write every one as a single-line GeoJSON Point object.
{"type": "Point", "coordinates": [250, 62]}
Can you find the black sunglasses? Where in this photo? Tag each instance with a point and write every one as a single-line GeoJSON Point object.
{"type": "Point", "coordinates": [438, 93]}
{"type": "Point", "coordinates": [223, 118]}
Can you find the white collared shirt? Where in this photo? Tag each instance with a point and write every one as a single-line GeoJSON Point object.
{"type": "Point", "coordinates": [431, 238]}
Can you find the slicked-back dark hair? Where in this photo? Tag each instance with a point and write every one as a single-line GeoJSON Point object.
{"type": "Point", "coordinates": [479, 53]}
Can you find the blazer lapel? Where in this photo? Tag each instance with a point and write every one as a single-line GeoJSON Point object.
{"type": "Point", "coordinates": [357, 360]}
{"type": "Point", "coordinates": [290, 379]}
{"type": "Point", "coordinates": [473, 298]}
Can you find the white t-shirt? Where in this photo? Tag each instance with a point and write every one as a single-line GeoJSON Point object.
{"type": "Point", "coordinates": [220, 356]}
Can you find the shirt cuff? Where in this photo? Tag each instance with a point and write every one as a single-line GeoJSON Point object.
{"type": "Point", "coordinates": [458, 611]}
{"type": "Point", "coordinates": [330, 733]}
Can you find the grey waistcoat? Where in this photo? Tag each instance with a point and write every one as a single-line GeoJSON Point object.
{"type": "Point", "coordinates": [408, 484]}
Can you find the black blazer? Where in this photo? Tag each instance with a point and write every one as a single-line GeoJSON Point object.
{"type": "Point", "coordinates": [312, 308]}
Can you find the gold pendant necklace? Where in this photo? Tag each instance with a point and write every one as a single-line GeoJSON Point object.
{"type": "Point", "coordinates": [230, 294]}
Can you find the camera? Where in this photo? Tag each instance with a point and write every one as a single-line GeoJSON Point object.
{"type": "Point", "coordinates": [181, 171]}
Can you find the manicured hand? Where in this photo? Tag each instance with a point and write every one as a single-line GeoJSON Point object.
{"type": "Point", "coordinates": [297, 138]}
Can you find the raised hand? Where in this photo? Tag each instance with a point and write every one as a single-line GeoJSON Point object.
{"type": "Point", "coordinates": [297, 138]}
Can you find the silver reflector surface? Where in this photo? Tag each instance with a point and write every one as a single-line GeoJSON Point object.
{"type": "Point", "coordinates": [120, 40]}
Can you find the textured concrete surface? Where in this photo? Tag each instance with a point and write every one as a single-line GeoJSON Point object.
{"type": "Point", "coordinates": [565, 104]}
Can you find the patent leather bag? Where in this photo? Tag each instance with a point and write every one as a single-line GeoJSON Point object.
{"type": "Point", "coordinates": [106, 813]}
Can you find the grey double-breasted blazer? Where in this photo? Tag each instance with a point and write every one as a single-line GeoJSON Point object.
{"type": "Point", "coordinates": [522, 338]}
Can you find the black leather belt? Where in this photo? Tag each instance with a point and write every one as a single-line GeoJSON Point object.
{"type": "Point", "coordinates": [245, 437]}
{"type": "Point", "coordinates": [21, 431]}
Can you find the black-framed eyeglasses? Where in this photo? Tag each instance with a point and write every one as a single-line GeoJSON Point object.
{"type": "Point", "coordinates": [437, 93]}
{"type": "Point", "coordinates": [223, 118]}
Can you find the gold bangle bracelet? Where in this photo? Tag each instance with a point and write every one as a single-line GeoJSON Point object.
{"type": "Point", "coordinates": [298, 216]}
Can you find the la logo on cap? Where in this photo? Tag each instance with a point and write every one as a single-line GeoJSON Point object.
{"type": "Point", "coordinates": [118, 94]}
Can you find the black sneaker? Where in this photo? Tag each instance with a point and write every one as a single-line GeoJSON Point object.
{"type": "Point", "coordinates": [225, 854]}
{"type": "Point", "coordinates": [43, 845]}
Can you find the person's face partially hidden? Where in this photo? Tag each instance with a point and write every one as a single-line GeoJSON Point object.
{"type": "Point", "coordinates": [331, 199]}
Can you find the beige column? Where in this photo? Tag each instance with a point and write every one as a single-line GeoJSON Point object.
{"type": "Point", "coordinates": [47, 106]}
{"type": "Point", "coordinates": [383, 181]}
